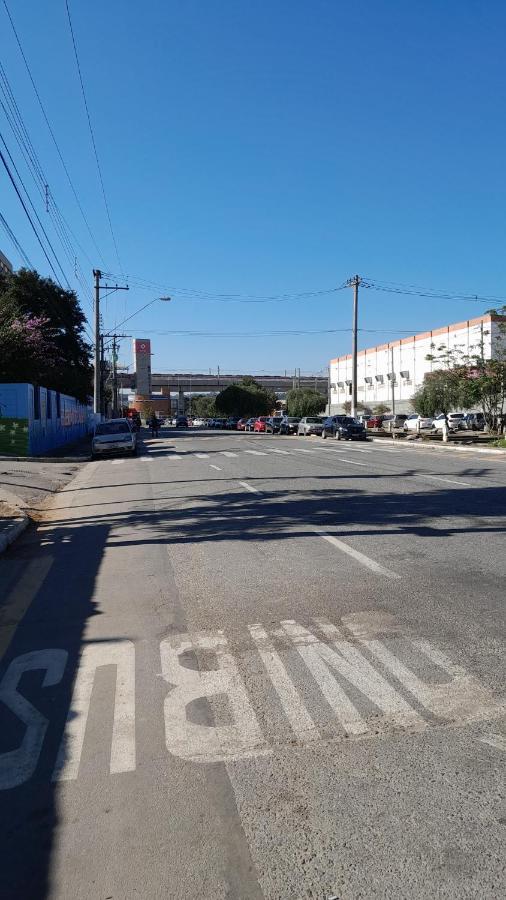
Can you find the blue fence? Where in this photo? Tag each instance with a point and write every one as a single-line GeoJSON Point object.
{"type": "Point", "coordinates": [34, 420]}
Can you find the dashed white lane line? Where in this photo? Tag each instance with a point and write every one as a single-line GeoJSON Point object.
{"type": "Point", "coordinates": [215, 467]}
{"type": "Point", "coordinates": [353, 462]}
{"type": "Point", "coordinates": [227, 453]}
{"type": "Point", "coordinates": [438, 478]}
{"type": "Point", "coordinates": [249, 487]}
{"type": "Point", "coordinates": [359, 557]}
{"type": "Point", "coordinates": [202, 455]}
{"type": "Point", "coordinates": [256, 452]}
{"type": "Point", "coordinates": [495, 740]}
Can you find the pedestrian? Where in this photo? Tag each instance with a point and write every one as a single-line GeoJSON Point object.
{"type": "Point", "coordinates": [154, 425]}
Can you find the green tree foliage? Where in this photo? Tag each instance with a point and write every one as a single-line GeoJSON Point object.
{"type": "Point", "coordinates": [347, 407]}
{"type": "Point", "coordinates": [204, 406]}
{"type": "Point", "coordinates": [304, 402]}
{"type": "Point", "coordinates": [380, 409]}
{"type": "Point", "coordinates": [42, 337]}
{"type": "Point", "coordinates": [246, 398]}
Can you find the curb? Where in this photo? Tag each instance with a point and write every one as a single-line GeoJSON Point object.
{"type": "Point", "coordinates": [14, 530]}
{"type": "Point", "coordinates": [48, 459]}
{"type": "Point", "coordinates": [440, 446]}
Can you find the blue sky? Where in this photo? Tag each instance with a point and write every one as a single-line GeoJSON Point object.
{"type": "Point", "coordinates": [258, 148]}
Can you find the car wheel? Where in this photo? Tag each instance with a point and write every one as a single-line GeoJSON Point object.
{"type": "Point", "coordinates": [338, 435]}
{"type": "Point", "coordinates": [324, 434]}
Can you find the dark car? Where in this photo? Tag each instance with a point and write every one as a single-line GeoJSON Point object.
{"type": "Point", "coordinates": [344, 428]}
{"type": "Point", "coordinates": [181, 421]}
{"type": "Point", "coordinates": [250, 424]}
{"type": "Point", "coordinates": [218, 423]}
{"type": "Point", "coordinates": [289, 424]}
{"type": "Point", "coordinates": [231, 423]}
{"type": "Point", "coordinates": [273, 424]}
{"type": "Point", "coordinates": [474, 421]}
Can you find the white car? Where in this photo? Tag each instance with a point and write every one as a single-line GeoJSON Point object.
{"type": "Point", "coordinates": [456, 421]}
{"type": "Point", "coordinates": [415, 421]}
{"type": "Point", "coordinates": [113, 436]}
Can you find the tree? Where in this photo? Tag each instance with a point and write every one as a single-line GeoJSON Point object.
{"type": "Point", "coordinates": [204, 406]}
{"type": "Point", "coordinates": [246, 398]}
{"type": "Point", "coordinates": [380, 409]}
{"type": "Point", "coordinates": [347, 407]}
{"type": "Point", "coordinates": [42, 335]}
{"type": "Point", "coordinates": [304, 402]}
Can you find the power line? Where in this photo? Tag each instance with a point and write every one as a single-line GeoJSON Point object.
{"type": "Point", "coordinates": [392, 287]}
{"type": "Point", "coordinates": [9, 173]}
{"type": "Point", "coordinates": [51, 132]}
{"type": "Point", "coordinates": [288, 332]}
{"type": "Point", "coordinates": [92, 134]}
{"type": "Point", "coordinates": [8, 230]}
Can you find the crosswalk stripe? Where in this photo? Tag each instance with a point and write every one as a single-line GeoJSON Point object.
{"type": "Point", "coordinates": [173, 456]}
{"type": "Point", "coordinates": [275, 450]}
{"type": "Point", "coordinates": [256, 452]}
{"type": "Point", "coordinates": [202, 455]}
{"type": "Point", "coordinates": [302, 450]}
{"type": "Point", "coordinates": [227, 453]}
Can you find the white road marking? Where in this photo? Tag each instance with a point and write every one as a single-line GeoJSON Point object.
{"type": "Point", "coordinates": [211, 466]}
{"type": "Point", "coordinates": [344, 446]}
{"type": "Point", "coordinates": [146, 458]}
{"type": "Point", "coordinates": [207, 743]}
{"type": "Point", "coordinates": [350, 718]}
{"type": "Point", "coordinates": [256, 452]}
{"type": "Point", "coordinates": [249, 487]}
{"type": "Point", "coordinates": [360, 557]}
{"type": "Point", "coordinates": [495, 740]}
{"type": "Point", "coordinates": [122, 655]}
{"type": "Point", "coordinates": [296, 713]}
{"type": "Point", "coordinates": [227, 453]}
{"type": "Point", "coordinates": [117, 462]}
{"type": "Point", "coordinates": [353, 462]}
{"type": "Point", "coordinates": [202, 455]}
{"type": "Point", "coordinates": [172, 456]}
{"type": "Point", "coordinates": [275, 450]}
{"type": "Point", "coordinates": [19, 764]}
{"type": "Point", "coordinates": [438, 478]}
{"type": "Point", "coordinates": [302, 450]}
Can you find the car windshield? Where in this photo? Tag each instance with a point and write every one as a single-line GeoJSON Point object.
{"type": "Point", "coordinates": [112, 428]}
{"type": "Point", "coordinates": [313, 420]}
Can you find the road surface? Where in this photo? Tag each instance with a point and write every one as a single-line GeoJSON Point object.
{"type": "Point", "coordinates": [248, 666]}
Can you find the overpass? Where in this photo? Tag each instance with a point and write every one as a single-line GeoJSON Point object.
{"type": "Point", "coordinates": [163, 384]}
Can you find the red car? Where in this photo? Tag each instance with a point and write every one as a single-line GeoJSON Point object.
{"type": "Point", "coordinates": [260, 424]}
{"type": "Point", "coordinates": [375, 422]}
{"type": "Point", "coordinates": [241, 425]}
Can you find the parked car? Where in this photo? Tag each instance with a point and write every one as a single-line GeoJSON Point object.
{"type": "Point", "coordinates": [181, 421]}
{"type": "Point", "coordinates": [273, 424]}
{"type": "Point", "coordinates": [375, 421]}
{"type": "Point", "coordinates": [241, 425]}
{"type": "Point", "coordinates": [411, 423]}
{"type": "Point", "coordinates": [231, 423]}
{"type": "Point", "coordinates": [260, 424]}
{"type": "Point", "coordinates": [391, 422]}
{"type": "Point", "coordinates": [198, 423]}
{"type": "Point", "coordinates": [456, 421]}
{"type": "Point", "coordinates": [310, 425]}
{"type": "Point", "coordinates": [475, 421]}
{"type": "Point", "coordinates": [344, 428]}
{"type": "Point", "coordinates": [250, 424]}
{"type": "Point", "coordinates": [219, 423]}
{"type": "Point", "coordinates": [289, 425]}
{"type": "Point", "coordinates": [113, 436]}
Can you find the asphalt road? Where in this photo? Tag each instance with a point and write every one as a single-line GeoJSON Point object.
{"type": "Point", "coordinates": [242, 666]}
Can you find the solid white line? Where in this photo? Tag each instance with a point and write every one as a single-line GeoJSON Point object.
{"type": "Point", "coordinates": [447, 480]}
{"type": "Point", "coordinates": [249, 487]}
{"type": "Point", "coordinates": [360, 557]}
{"type": "Point", "coordinates": [202, 455]}
{"type": "Point", "coordinates": [215, 467]}
{"type": "Point", "coordinates": [226, 453]}
{"type": "Point", "coordinates": [256, 452]}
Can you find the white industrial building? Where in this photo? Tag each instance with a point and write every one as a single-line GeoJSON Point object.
{"type": "Point", "coordinates": [5, 265]}
{"type": "Point", "coordinates": [395, 370]}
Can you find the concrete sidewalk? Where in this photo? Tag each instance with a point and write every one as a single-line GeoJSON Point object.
{"type": "Point", "coordinates": [421, 443]}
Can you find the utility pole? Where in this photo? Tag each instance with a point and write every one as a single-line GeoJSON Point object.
{"type": "Point", "coordinates": [97, 274]}
{"type": "Point", "coordinates": [392, 377]}
{"type": "Point", "coordinates": [354, 283]}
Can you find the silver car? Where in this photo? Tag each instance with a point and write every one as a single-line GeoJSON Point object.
{"type": "Point", "coordinates": [113, 436]}
{"type": "Point", "coordinates": [310, 425]}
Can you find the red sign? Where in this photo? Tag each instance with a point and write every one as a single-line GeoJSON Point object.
{"type": "Point", "coordinates": [142, 346]}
